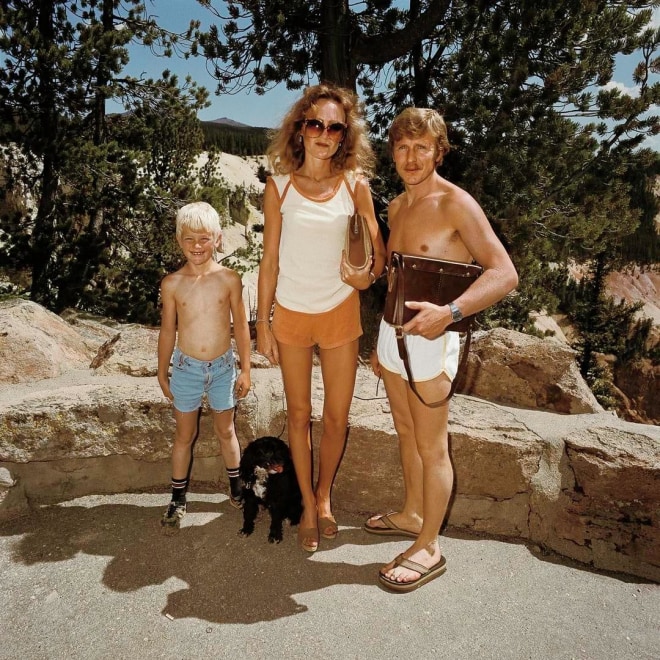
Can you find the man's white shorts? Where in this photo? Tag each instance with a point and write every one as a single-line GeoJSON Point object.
{"type": "Point", "coordinates": [428, 357]}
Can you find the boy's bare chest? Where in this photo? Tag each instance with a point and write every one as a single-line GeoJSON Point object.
{"type": "Point", "coordinates": [203, 295]}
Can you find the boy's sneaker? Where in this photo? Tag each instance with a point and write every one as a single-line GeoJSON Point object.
{"type": "Point", "coordinates": [172, 517]}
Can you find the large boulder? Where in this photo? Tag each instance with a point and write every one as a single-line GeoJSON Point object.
{"type": "Point", "coordinates": [604, 507]}
{"type": "Point", "coordinates": [614, 460]}
{"type": "Point", "coordinates": [512, 368]}
{"type": "Point", "coordinates": [37, 344]}
{"type": "Point", "coordinates": [94, 330]}
{"type": "Point", "coordinates": [495, 458]}
{"type": "Point", "coordinates": [639, 380]}
{"type": "Point", "coordinates": [132, 351]}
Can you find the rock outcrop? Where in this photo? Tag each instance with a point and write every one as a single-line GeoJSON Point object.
{"type": "Point", "coordinates": [640, 382]}
{"type": "Point", "coordinates": [516, 369]}
{"type": "Point", "coordinates": [37, 344]}
{"type": "Point", "coordinates": [586, 486]}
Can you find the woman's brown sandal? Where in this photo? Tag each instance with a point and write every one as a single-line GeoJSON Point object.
{"type": "Point", "coordinates": [328, 527]}
{"type": "Point", "coordinates": [307, 534]}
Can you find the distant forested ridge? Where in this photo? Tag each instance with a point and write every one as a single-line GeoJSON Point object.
{"type": "Point", "coordinates": [238, 140]}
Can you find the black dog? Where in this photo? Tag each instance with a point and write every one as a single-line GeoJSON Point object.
{"type": "Point", "coordinates": [269, 480]}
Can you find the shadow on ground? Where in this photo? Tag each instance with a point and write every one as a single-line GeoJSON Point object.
{"type": "Point", "coordinates": [229, 579]}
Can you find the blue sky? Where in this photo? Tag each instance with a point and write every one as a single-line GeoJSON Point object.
{"type": "Point", "coordinates": [266, 110]}
{"type": "Point", "coordinates": [247, 108]}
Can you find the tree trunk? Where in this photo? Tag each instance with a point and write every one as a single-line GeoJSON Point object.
{"type": "Point", "coordinates": [420, 77]}
{"type": "Point", "coordinates": [334, 40]}
{"type": "Point", "coordinates": [597, 287]}
{"type": "Point", "coordinates": [92, 242]}
{"type": "Point", "coordinates": [43, 246]}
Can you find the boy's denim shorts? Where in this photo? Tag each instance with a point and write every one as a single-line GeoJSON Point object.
{"type": "Point", "coordinates": [192, 378]}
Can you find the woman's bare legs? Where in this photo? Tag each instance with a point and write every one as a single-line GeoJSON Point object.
{"type": "Point", "coordinates": [296, 365]}
{"type": "Point", "coordinates": [338, 368]}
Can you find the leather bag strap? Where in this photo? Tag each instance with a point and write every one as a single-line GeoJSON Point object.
{"type": "Point", "coordinates": [397, 265]}
{"type": "Point", "coordinates": [403, 354]}
{"type": "Point", "coordinates": [351, 191]}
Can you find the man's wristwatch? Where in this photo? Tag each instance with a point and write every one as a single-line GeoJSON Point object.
{"type": "Point", "coordinates": [456, 314]}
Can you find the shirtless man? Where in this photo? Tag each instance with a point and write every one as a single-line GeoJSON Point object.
{"type": "Point", "coordinates": [432, 218]}
{"type": "Point", "coordinates": [199, 303]}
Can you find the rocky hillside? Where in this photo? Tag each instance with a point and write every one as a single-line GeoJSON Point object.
{"type": "Point", "coordinates": [639, 285]}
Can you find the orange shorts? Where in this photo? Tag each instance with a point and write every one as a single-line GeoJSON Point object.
{"type": "Point", "coordinates": [336, 327]}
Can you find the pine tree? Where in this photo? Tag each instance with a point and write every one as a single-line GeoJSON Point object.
{"type": "Point", "coordinates": [62, 62]}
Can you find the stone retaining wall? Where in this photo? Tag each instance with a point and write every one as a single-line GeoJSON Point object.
{"type": "Point", "coordinates": [584, 486]}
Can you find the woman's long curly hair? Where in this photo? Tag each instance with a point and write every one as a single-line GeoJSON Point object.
{"type": "Point", "coordinates": [286, 153]}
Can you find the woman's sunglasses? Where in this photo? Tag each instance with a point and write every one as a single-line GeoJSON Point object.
{"type": "Point", "coordinates": [316, 127]}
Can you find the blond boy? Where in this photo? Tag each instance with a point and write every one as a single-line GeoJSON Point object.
{"type": "Point", "coordinates": [199, 303]}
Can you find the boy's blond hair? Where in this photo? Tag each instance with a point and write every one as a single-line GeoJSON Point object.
{"type": "Point", "coordinates": [198, 217]}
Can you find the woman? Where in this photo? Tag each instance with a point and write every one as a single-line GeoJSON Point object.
{"type": "Point", "coordinates": [320, 156]}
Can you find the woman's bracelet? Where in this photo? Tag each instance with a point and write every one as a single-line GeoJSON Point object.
{"type": "Point", "coordinates": [372, 277]}
{"type": "Point", "coordinates": [262, 321]}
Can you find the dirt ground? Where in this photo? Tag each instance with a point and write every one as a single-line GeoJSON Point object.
{"type": "Point", "coordinates": [95, 578]}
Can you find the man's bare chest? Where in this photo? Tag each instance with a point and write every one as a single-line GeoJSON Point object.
{"type": "Point", "coordinates": [423, 233]}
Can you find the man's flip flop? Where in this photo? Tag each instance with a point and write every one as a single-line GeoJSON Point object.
{"type": "Point", "coordinates": [390, 529]}
{"type": "Point", "coordinates": [425, 574]}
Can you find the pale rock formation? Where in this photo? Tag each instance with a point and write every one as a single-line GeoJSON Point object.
{"type": "Point", "coordinates": [36, 344]}
{"type": "Point", "coordinates": [549, 326]}
{"type": "Point", "coordinates": [516, 369]}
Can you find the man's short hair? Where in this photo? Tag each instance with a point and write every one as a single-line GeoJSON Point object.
{"type": "Point", "coordinates": [415, 122]}
{"type": "Point", "coordinates": [198, 217]}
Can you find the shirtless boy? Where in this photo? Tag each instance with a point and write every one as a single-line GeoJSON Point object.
{"type": "Point", "coordinates": [199, 303]}
{"type": "Point", "coordinates": [432, 218]}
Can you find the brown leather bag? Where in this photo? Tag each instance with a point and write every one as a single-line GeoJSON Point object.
{"type": "Point", "coordinates": [436, 281]}
{"type": "Point", "coordinates": [358, 246]}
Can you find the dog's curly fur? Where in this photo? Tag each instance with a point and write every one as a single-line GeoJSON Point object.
{"type": "Point", "coordinates": [269, 480]}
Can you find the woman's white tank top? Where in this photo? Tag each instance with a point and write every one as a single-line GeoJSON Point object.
{"type": "Point", "coordinates": [311, 242]}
